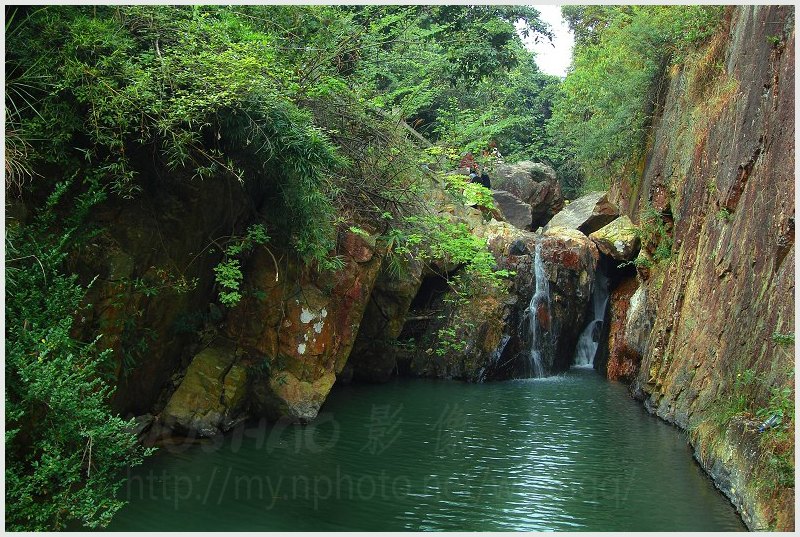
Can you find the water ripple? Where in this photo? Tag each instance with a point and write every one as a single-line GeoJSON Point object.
{"type": "Point", "coordinates": [563, 453]}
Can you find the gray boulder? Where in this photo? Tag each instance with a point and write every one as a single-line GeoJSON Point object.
{"type": "Point", "coordinates": [533, 183]}
{"type": "Point", "coordinates": [515, 211]}
{"type": "Point", "coordinates": [586, 214]}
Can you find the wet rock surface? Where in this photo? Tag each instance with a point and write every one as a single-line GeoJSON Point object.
{"type": "Point", "coordinates": [494, 324]}
{"type": "Point", "coordinates": [623, 352]}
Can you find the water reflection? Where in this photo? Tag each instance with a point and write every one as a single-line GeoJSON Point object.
{"type": "Point", "coordinates": [564, 453]}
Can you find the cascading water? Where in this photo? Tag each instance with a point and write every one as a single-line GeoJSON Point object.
{"type": "Point", "coordinates": [538, 315]}
{"type": "Point", "coordinates": [589, 339]}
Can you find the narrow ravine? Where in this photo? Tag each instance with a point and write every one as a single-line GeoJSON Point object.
{"type": "Point", "coordinates": [374, 268]}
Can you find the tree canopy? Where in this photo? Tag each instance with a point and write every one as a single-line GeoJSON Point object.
{"type": "Point", "coordinates": [604, 107]}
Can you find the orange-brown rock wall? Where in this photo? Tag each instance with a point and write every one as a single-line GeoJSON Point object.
{"type": "Point", "coordinates": [721, 173]}
{"type": "Point", "coordinates": [623, 359]}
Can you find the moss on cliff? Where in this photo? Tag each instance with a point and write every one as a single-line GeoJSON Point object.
{"type": "Point", "coordinates": [720, 176]}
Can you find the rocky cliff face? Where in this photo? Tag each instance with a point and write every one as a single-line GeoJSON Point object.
{"type": "Point", "coordinates": [188, 366]}
{"type": "Point", "coordinates": [180, 356]}
{"type": "Point", "coordinates": [153, 262]}
{"type": "Point", "coordinates": [720, 177]}
{"type": "Point", "coordinates": [298, 325]}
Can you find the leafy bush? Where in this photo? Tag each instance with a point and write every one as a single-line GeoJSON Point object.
{"type": "Point", "coordinates": [228, 272]}
{"type": "Point", "coordinates": [786, 340]}
{"type": "Point", "coordinates": [653, 232]}
{"type": "Point", "coordinates": [724, 215]}
{"type": "Point", "coordinates": [66, 452]}
{"type": "Point", "coordinates": [468, 192]}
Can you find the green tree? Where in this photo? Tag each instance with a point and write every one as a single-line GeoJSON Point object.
{"type": "Point", "coordinates": [605, 105]}
{"type": "Point", "coordinates": [459, 74]}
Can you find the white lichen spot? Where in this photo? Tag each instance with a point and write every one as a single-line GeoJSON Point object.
{"type": "Point", "coordinates": [306, 316]}
{"type": "Point", "coordinates": [619, 245]}
{"type": "Point", "coordinates": [323, 313]}
{"type": "Point", "coordinates": [318, 327]}
{"type": "Point", "coordinates": [301, 349]}
{"type": "Point", "coordinates": [305, 337]}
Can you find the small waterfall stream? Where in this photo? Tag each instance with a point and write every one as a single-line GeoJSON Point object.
{"type": "Point", "coordinates": [538, 315]}
{"type": "Point", "coordinates": [589, 339]}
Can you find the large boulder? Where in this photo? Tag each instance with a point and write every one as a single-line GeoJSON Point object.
{"type": "Point", "coordinates": [570, 261]}
{"type": "Point", "coordinates": [639, 321]}
{"type": "Point", "coordinates": [533, 183]}
{"type": "Point", "coordinates": [586, 214]}
{"type": "Point", "coordinates": [299, 326]}
{"type": "Point", "coordinates": [209, 399]}
{"type": "Point", "coordinates": [618, 240]}
{"type": "Point", "coordinates": [514, 211]}
{"type": "Point", "coordinates": [623, 357]}
{"type": "Point", "coordinates": [147, 309]}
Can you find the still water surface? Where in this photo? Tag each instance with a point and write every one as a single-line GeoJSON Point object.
{"type": "Point", "coordinates": [571, 452]}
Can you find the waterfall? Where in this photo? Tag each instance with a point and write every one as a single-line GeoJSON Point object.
{"type": "Point", "coordinates": [538, 315]}
{"type": "Point", "coordinates": [589, 339]}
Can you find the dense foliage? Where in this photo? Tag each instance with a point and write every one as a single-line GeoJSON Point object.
{"type": "Point", "coordinates": [299, 103]}
{"type": "Point", "coordinates": [605, 106]}
{"type": "Point", "coordinates": [459, 74]}
{"type": "Point", "coordinates": [191, 88]}
{"type": "Point", "coordinates": [65, 451]}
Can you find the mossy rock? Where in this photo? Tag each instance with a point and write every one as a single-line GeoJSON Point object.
{"type": "Point", "coordinates": [208, 398]}
{"type": "Point", "coordinates": [618, 239]}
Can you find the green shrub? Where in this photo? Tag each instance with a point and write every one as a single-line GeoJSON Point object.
{"type": "Point", "coordinates": [228, 272]}
{"type": "Point", "coordinates": [66, 452]}
{"type": "Point", "coordinates": [468, 192]}
{"type": "Point", "coordinates": [724, 215]}
{"type": "Point", "coordinates": [787, 340]}
{"type": "Point", "coordinates": [652, 231]}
